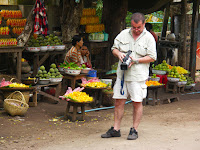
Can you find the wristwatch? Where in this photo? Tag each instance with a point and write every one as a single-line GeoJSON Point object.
{"type": "Point", "coordinates": [136, 61]}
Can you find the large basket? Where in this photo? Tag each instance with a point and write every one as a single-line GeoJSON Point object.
{"type": "Point", "coordinates": [15, 104]}
{"type": "Point", "coordinates": [25, 93]}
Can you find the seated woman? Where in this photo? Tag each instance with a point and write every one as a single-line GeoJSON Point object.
{"type": "Point", "coordinates": [74, 54]}
{"type": "Point", "coordinates": [85, 59]}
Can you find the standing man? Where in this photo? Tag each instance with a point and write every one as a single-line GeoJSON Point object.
{"type": "Point", "coordinates": [131, 82]}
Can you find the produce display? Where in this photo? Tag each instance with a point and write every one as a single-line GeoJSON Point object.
{"type": "Point", "coordinates": [18, 30]}
{"type": "Point", "coordinates": [11, 14]}
{"type": "Point", "coordinates": [93, 83]}
{"type": "Point", "coordinates": [16, 22]}
{"type": "Point", "coordinates": [4, 31]}
{"type": "Point", "coordinates": [91, 21]}
{"type": "Point", "coordinates": [42, 73]}
{"type": "Point", "coordinates": [5, 83]}
{"type": "Point", "coordinates": [40, 40]}
{"type": "Point", "coordinates": [153, 83]}
{"type": "Point", "coordinates": [71, 65]}
{"type": "Point", "coordinates": [8, 42]}
{"type": "Point", "coordinates": [189, 80]}
{"type": "Point", "coordinates": [163, 66]}
{"type": "Point", "coordinates": [173, 73]}
{"type": "Point", "coordinates": [54, 72]}
{"type": "Point", "coordinates": [76, 95]}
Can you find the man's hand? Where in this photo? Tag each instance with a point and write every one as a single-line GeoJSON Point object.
{"type": "Point", "coordinates": [118, 54]}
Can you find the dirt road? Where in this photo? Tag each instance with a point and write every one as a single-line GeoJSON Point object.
{"type": "Point", "coordinates": [174, 126]}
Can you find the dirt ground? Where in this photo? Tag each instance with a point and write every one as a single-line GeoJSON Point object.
{"type": "Point", "coordinates": [174, 126]}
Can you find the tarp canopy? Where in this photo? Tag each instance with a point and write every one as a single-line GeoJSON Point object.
{"type": "Point", "coordinates": [146, 6]}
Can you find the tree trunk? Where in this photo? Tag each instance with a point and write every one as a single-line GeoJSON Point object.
{"type": "Point", "coordinates": [194, 35]}
{"type": "Point", "coordinates": [28, 29]}
{"type": "Point", "coordinates": [113, 17]}
{"type": "Point", "coordinates": [70, 19]}
{"type": "Point", "coordinates": [182, 53]}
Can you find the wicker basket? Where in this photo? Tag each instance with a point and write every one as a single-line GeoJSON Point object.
{"type": "Point", "coordinates": [25, 93]}
{"type": "Point", "coordinates": [107, 99]}
{"type": "Point", "coordinates": [15, 104]}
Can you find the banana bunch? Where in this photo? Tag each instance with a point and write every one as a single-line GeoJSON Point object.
{"type": "Point", "coordinates": [18, 85]}
{"type": "Point", "coordinates": [79, 97]}
{"type": "Point", "coordinates": [95, 84]}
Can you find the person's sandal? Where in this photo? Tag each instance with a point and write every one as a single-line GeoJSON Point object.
{"type": "Point", "coordinates": [133, 134]}
{"type": "Point", "coordinates": [111, 133]}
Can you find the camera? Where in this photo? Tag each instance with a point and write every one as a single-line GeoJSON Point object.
{"type": "Point", "coordinates": [126, 61]}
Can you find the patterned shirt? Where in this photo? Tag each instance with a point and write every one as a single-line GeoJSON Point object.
{"type": "Point", "coordinates": [73, 55]}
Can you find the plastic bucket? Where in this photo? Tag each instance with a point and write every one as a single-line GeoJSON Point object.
{"type": "Point", "coordinates": [92, 73]}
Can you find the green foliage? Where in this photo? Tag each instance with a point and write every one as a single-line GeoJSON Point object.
{"type": "Point", "coordinates": [99, 9]}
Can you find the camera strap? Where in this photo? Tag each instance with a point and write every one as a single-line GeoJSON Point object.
{"type": "Point", "coordinates": [122, 85]}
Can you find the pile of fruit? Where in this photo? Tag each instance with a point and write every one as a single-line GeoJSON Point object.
{"type": "Point", "coordinates": [18, 30]}
{"type": "Point", "coordinates": [189, 80]}
{"type": "Point", "coordinates": [94, 83]}
{"type": "Point", "coordinates": [154, 76]}
{"type": "Point", "coordinates": [173, 73]}
{"type": "Point", "coordinates": [11, 14]}
{"type": "Point", "coordinates": [70, 65]}
{"type": "Point", "coordinates": [182, 78]}
{"type": "Point", "coordinates": [5, 83]}
{"type": "Point", "coordinates": [54, 72]}
{"type": "Point", "coordinates": [8, 42]}
{"type": "Point", "coordinates": [153, 83]}
{"type": "Point", "coordinates": [42, 73]}
{"type": "Point", "coordinates": [18, 85]}
{"type": "Point", "coordinates": [40, 40]}
{"type": "Point", "coordinates": [80, 97]}
{"type": "Point", "coordinates": [4, 31]}
{"type": "Point", "coordinates": [16, 22]}
{"type": "Point", "coordinates": [76, 95]}
{"type": "Point", "coordinates": [163, 66]}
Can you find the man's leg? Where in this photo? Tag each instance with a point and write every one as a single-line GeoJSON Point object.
{"type": "Point", "coordinates": [119, 112]}
{"type": "Point", "coordinates": [137, 114]}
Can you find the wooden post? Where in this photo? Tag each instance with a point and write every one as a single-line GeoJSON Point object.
{"type": "Point", "coordinates": [165, 21]}
{"type": "Point", "coordinates": [182, 50]}
{"type": "Point", "coordinates": [193, 44]}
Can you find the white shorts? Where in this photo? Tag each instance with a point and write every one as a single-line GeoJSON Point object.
{"type": "Point", "coordinates": [136, 90]}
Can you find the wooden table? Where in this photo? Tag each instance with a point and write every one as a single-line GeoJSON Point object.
{"type": "Point", "coordinates": [39, 89]}
{"type": "Point", "coordinates": [18, 50]}
{"type": "Point", "coordinates": [73, 78]}
{"type": "Point", "coordinates": [40, 57]}
{"type": "Point", "coordinates": [154, 90]}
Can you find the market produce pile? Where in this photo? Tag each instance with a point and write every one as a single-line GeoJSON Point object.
{"type": "Point", "coordinates": [5, 83]}
{"type": "Point", "coordinates": [53, 72]}
{"type": "Point", "coordinates": [153, 83]}
{"type": "Point", "coordinates": [93, 83]}
{"type": "Point", "coordinates": [71, 65]}
{"type": "Point", "coordinates": [40, 40]}
{"type": "Point", "coordinates": [76, 95]}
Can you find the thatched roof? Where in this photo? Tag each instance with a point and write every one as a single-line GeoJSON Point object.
{"type": "Point", "coordinates": [147, 6]}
